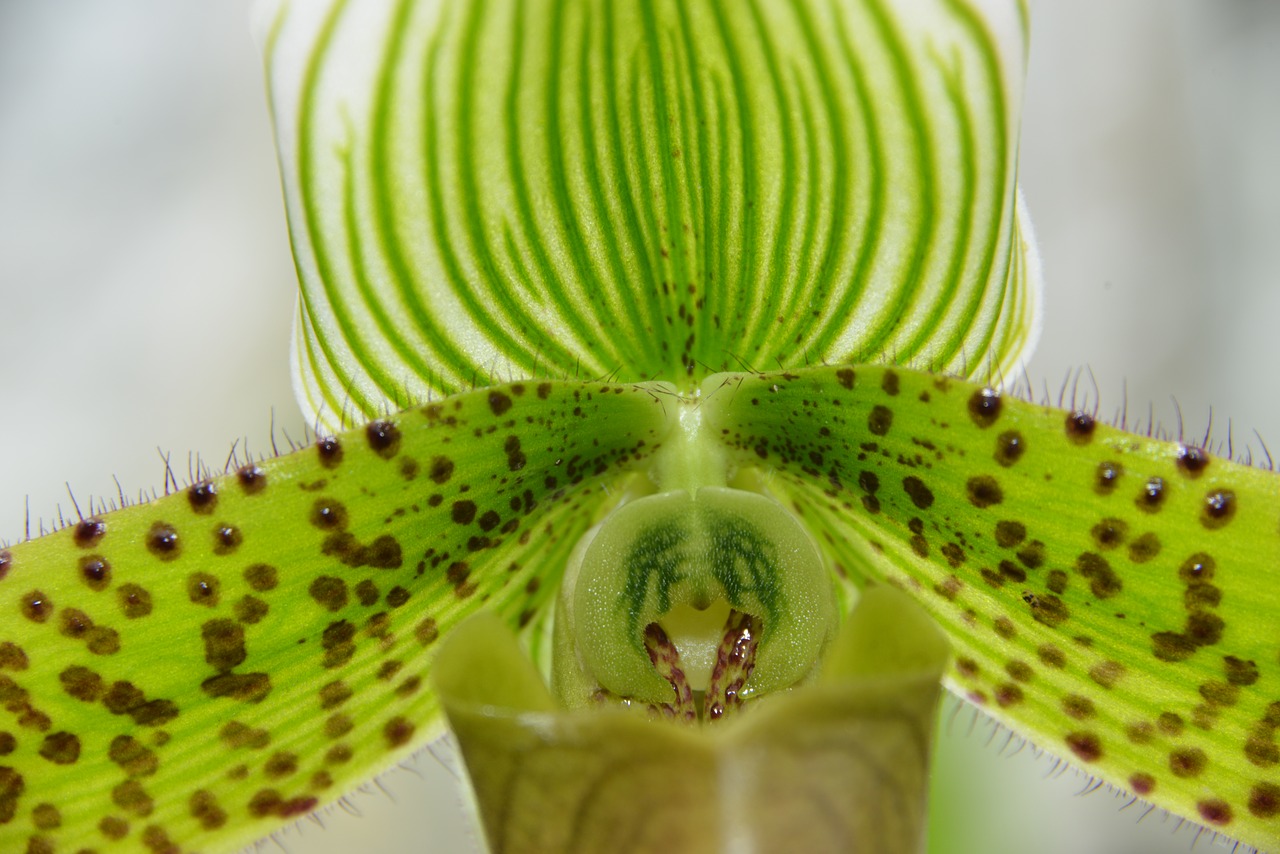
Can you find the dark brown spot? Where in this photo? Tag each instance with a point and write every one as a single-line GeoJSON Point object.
{"type": "Point", "coordinates": [1107, 477]}
{"type": "Point", "coordinates": [336, 726]}
{"type": "Point", "coordinates": [250, 609]}
{"type": "Point", "coordinates": [95, 571]}
{"type": "Point", "coordinates": [252, 479]}
{"type": "Point", "coordinates": [281, 764]}
{"type": "Point", "coordinates": [1008, 695]}
{"type": "Point", "coordinates": [1051, 656]}
{"type": "Point", "coordinates": [1262, 752]}
{"type": "Point", "coordinates": [329, 449]}
{"type": "Point", "coordinates": [162, 541]}
{"type": "Point", "coordinates": [329, 515]}
{"type": "Point", "coordinates": [516, 459]}
{"type": "Point", "coordinates": [880, 420]}
{"type": "Point", "coordinates": [1141, 732]}
{"type": "Point", "coordinates": [89, 532]}
{"type": "Point", "coordinates": [383, 437]}
{"type": "Point", "coordinates": [919, 494]}
{"type": "Point", "coordinates": [1107, 673]}
{"type": "Point", "coordinates": [1142, 784]}
{"type": "Point", "coordinates": [74, 623]}
{"type": "Point", "coordinates": [1152, 495]}
{"type": "Point", "coordinates": [1103, 581]}
{"type": "Point", "coordinates": [1010, 533]}
{"type": "Point", "coordinates": [984, 491]}
{"type": "Point", "coordinates": [1204, 629]}
{"type": "Point", "coordinates": [1085, 745]}
{"type": "Point", "coordinates": [12, 785]}
{"type": "Point", "coordinates": [1170, 724]}
{"type": "Point", "coordinates": [246, 687]}
{"type": "Point", "coordinates": [1264, 800]}
{"type": "Point", "coordinates": [367, 593]}
{"type": "Point", "coordinates": [6, 561]}
{"type": "Point", "coordinates": [131, 797]}
{"type": "Point", "coordinates": [889, 383]}
{"type": "Point", "coordinates": [1214, 811]}
{"type": "Point", "coordinates": [1171, 646]}
{"type": "Point", "coordinates": [845, 377]}
{"type": "Point", "coordinates": [35, 606]}
{"type": "Point", "coordinates": [1220, 693]}
{"type": "Point", "coordinates": [1219, 509]}
{"type": "Point", "coordinates": [1019, 670]}
{"type": "Point", "coordinates": [1075, 706]}
{"type": "Point", "coordinates": [261, 577]}
{"type": "Point", "coordinates": [235, 734]}
{"type": "Point", "coordinates": [46, 817]}
{"type": "Point", "coordinates": [204, 809]}
{"type": "Point", "coordinates": [1239, 671]}
{"type": "Point", "coordinates": [12, 656]}
{"type": "Point", "coordinates": [499, 403]}
{"type": "Point", "coordinates": [398, 731]}
{"type": "Point", "coordinates": [1004, 628]}
{"type": "Point", "coordinates": [339, 754]}
{"type": "Point", "coordinates": [329, 592]}
{"type": "Point", "coordinates": [1144, 548]}
{"type": "Point", "coordinates": [135, 601]}
{"type": "Point", "coordinates": [1191, 460]}
{"type": "Point", "coordinates": [203, 496]}
{"type": "Point", "coordinates": [204, 589]}
{"type": "Point", "coordinates": [60, 748]}
{"type": "Point", "coordinates": [984, 407]}
{"type": "Point", "coordinates": [1050, 610]}
{"type": "Point", "coordinates": [1080, 427]}
{"type": "Point", "coordinates": [1057, 581]}
{"type": "Point", "coordinates": [441, 469]}
{"type": "Point", "coordinates": [81, 683]}
{"type": "Point", "coordinates": [397, 596]}
{"type": "Point", "coordinates": [226, 539]}
{"type": "Point", "coordinates": [1110, 532]}
{"type": "Point", "coordinates": [334, 694]}
{"type": "Point", "coordinates": [1199, 567]}
{"type": "Point", "coordinates": [426, 631]}
{"type": "Point", "coordinates": [133, 757]}
{"type": "Point", "coordinates": [114, 827]}
{"type": "Point", "coordinates": [464, 512]}
{"type": "Point", "coordinates": [223, 644]}
{"type": "Point", "coordinates": [1010, 446]}
{"type": "Point", "coordinates": [1187, 762]}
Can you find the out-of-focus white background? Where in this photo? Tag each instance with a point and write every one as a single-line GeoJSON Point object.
{"type": "Point", "coordinates": [146, 292]}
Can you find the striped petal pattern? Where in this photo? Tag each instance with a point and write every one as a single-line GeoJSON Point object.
{"type": "Point", "coordinates": [509, 188]}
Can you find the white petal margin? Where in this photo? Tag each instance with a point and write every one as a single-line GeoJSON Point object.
{"type": "Point", "coordinates": [487, 190]}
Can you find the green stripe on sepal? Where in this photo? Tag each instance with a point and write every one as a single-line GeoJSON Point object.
{"type": "Point", "coordinates": [200, 669]}
{"type": "Point", "coordinates": [1108, 595]}
{"type": "Point", "coordinates": [648, 190]}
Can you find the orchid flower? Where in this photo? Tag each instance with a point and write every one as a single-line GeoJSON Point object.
{"type": "Point", "coordinates": [231, 717]}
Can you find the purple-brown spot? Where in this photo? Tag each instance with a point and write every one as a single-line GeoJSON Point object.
{"type": "Point", "coordinates": [984, 407]}
{"type": "Point", "coordinates": [329, 449]}
{"type": "Point", "coordinates": [89, 532]}
{"type": "Point", "coordinates": [162, 541]}
{"type": "Point", "coordinates": [203, 496]}
{"type": "Point", "coordinates": [1080, 427]}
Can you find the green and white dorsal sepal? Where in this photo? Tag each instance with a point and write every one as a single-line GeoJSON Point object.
{"type": "Point", "coordinates": [190, 673]}
{"type": "Point", "coordinates": [654, 190]}
{"type": "Point", "coordinates": [1110, 596]}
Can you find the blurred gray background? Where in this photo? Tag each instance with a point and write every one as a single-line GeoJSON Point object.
{"type": "Point", "coordinates": [146, 294]}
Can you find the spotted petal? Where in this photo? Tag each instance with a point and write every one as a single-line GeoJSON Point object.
{"type": "Point", "coordinates": [197, 670]}
{"type": "Point", "coordinates": [1108, 595]}
{"type": "Point", "coordinates": [647, 190]}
